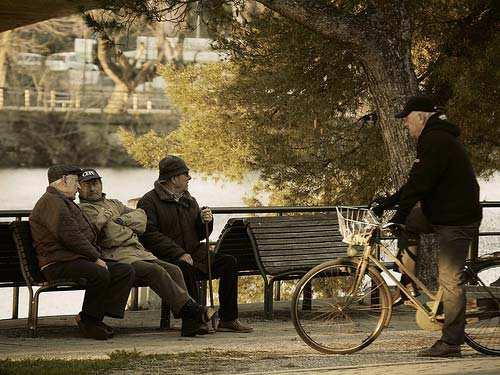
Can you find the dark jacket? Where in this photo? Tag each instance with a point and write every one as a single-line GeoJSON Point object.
{"type": "Point", "coordinates": [60, 230]}
{"type": "Point", "coordinates": [442, 178]}
{"type": "Point", "coordinates": [174, 227]}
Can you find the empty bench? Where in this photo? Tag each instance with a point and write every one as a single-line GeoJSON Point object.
{"type": "Point", "coordinates": [281, 247]}
{"type": "Point", "coordinates": [19, 260]}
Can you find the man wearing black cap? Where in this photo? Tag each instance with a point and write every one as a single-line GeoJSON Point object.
{"type": "Point", "coordinates": [117, 227]}
{"type": "Point", "coordinates": [66, 247]}
{"type": "Point", "coordinates": [175, 227]}
{"type": "Point", "coordinates": [444, 184]}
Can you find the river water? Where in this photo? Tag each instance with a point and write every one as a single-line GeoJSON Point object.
{"type": "Point", "coordinates": [20, 189]}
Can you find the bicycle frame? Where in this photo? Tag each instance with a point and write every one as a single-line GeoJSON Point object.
{"type": "Point", "coordinates": [368, 257]}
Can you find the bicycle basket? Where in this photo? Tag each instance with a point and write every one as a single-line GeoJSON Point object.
{"type": "Point", "coordinates": [356, 224]}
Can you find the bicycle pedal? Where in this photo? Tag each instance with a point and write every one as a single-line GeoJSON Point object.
{"type": "Point", "coordinates": [408, 303]}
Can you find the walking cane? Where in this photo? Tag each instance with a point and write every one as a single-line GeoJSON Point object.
{"type": "Point", "coordinates": [210, 289]}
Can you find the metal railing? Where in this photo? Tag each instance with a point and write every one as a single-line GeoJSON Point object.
{"type": "Point", "coordinates": [89, 101]}
{"type": "Point", "coordinates": [279, 210]}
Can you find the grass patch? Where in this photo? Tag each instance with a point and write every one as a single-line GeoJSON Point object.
{"type": "Point", "coordinates": [120, 360]}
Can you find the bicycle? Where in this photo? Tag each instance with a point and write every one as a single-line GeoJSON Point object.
{"type": "Point", "coordinates": [342, 306]}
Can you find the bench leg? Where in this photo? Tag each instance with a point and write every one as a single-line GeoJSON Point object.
{"type": "Point", "coordinates": [268, 299]}
{"type": "Point", "coordinates": [277, 291]}
{"type": "Point", "coordinates": [165, 315]}
{"type": "Point", "coordinates": [15, 302]}
{"type": "Point", "coordinates": [306, 303]}
{"type": "Point", "coordinates": [134, 303]}
{"type": "Point", "coordinates": [31, 308]}
{"type": "Point", "coordinates": [34, 313]}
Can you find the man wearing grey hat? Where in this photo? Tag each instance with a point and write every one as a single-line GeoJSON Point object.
{"type": "Point", "coordinates": [118, 227]}
{"type": "Point", "coordinates": [443, 183]}
{"type": "Point", "coordinates": [175, 227]}
{"type": "Point", "coordinates": [66, 248]}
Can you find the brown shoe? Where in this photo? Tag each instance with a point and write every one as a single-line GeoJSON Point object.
{"type": "Point", "coordinates": [441, 349]}
{"type": "Point", "coordinates": [91, 330]}
{"type": "Point", "coordinates": [233, 326]}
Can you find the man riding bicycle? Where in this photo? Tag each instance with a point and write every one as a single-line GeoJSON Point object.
{"type": "Point", "coordinates": [441, 196]}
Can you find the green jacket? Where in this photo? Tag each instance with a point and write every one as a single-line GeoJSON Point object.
{"type": "Point", "coordinates": [117, 227]}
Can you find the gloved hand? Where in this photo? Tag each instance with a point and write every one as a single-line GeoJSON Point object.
{"type": "Point", "coordinates": [378, 205]}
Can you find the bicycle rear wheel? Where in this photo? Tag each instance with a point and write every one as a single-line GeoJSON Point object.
{"type": "Point", "coordinates": [334, 319]}
{"type": "Point", "coordinates": [482, 328]}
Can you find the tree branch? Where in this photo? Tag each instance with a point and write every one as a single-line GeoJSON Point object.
{"type": "Point", "coordinates": [323, 18]}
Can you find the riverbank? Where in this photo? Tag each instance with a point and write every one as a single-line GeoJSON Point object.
{"type": "Point", "coordinates": [41, 139]}
{"type": "Point", "coordinates": [139, 347]}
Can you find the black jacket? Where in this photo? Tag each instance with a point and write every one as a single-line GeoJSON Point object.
{"type": "Point", "coordinates": [174, 227]}
{"type": "Point", "coordinates": [441, 178]}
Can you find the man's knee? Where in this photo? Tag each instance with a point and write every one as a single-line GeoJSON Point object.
{"type": "Point", "coordinates": [122, 270]}
{"type": "Point", "coordinates": [101, 277]}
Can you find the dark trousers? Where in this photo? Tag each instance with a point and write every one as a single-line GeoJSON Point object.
{"type": "Point", "coordinates": [106, 290]}
{"type": "Point", "coordinates": [165, 279]}
{"type": "Point", "coordinates": [223, 267]}
{"type": "Point", "coordinates": [454, 242]}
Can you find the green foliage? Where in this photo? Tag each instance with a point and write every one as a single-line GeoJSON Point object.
{"type": "Point", "coordinates": [291, 120]}
{"type": "Point", "coordinates": [464, 75]}
{"type": "Point", "coordinates": [285, 103]}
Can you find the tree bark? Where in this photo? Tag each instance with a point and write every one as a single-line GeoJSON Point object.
{"type": "Point", "coordinates": [382, 38]}
{"type": "Point", "coordinates": [4, 48]}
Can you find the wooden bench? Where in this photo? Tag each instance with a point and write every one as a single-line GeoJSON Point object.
{"type": "Point", "coordinates": [280, 247]}
{"type": "Point", "coordinates": [20, 260]}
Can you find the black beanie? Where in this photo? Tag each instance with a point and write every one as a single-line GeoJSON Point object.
{"type": "Point", "coordinates": [171, 166]}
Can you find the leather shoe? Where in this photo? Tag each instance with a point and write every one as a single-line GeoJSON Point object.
{"type": "Point", "coordinates": [233, 326]}
{"type": "Point", "coordinates": [108, 329]}
{"type": "Point", "coordinates": [205, 329]}
{"type": "Point", "coordinates": [189, 327]}
{"type": "Point", "coordinates": [441, 349]}
{"type": "Point", "coordinates": [91, 330]}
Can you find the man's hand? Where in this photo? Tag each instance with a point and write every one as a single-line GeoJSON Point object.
{"type": "Point", "coordinates": [206, 215]}
{"type": "Point", "coordinates": [186, 258]}
{"type": "Point", "coordinates": [103, 217]}
{"type": "Point", "coordinates": [101, 263]}
{"type": "Point", "coordinates": [378, 206]}
{"type": "Point", "coordinates": [394, 228]}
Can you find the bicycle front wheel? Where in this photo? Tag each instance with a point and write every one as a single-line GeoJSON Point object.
{"type": "Point", "coordinates": [334, 317]}
{"type": "Point", "coordinates": [482, 328]}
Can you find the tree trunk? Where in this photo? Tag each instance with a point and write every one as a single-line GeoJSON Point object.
{"type": "Point", "coordinates": [118, 100]}
{"type": "Point", "coordinates": [4, 48]}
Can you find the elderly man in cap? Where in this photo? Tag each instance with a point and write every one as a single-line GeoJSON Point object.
{"type": "Point", "coordinates": [66, 247]}
{"type": "Point", "coordinates": [175, 227]}
{"type": "Point", "coordinates": [117, 227]}
{"type": "Point", "coordinates": [443, 183]}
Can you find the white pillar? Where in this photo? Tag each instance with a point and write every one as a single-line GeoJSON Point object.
{"type": "Point", "coordinates": [134, 102]}
{"type": "Point", "coordinates": [26, 99]}
{"type": "Point", "coordinates": [52, 98]}
{"type": "Point", "coordinates": [149, 105]}
{"type": "Point", "coordinates": [1, 98]}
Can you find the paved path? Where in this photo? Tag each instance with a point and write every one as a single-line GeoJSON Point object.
{"type": "Point", "coordinates": [273, 347]}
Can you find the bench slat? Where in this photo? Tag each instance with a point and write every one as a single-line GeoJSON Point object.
{"type": "Point", "coordinates": [287, 241]}
{"type": "Point", "coordinates": [296, 231]}
{"type": "Point", "coordinates": [299, 224]}
{"type": "Point", "coordinates": [288, 234]}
